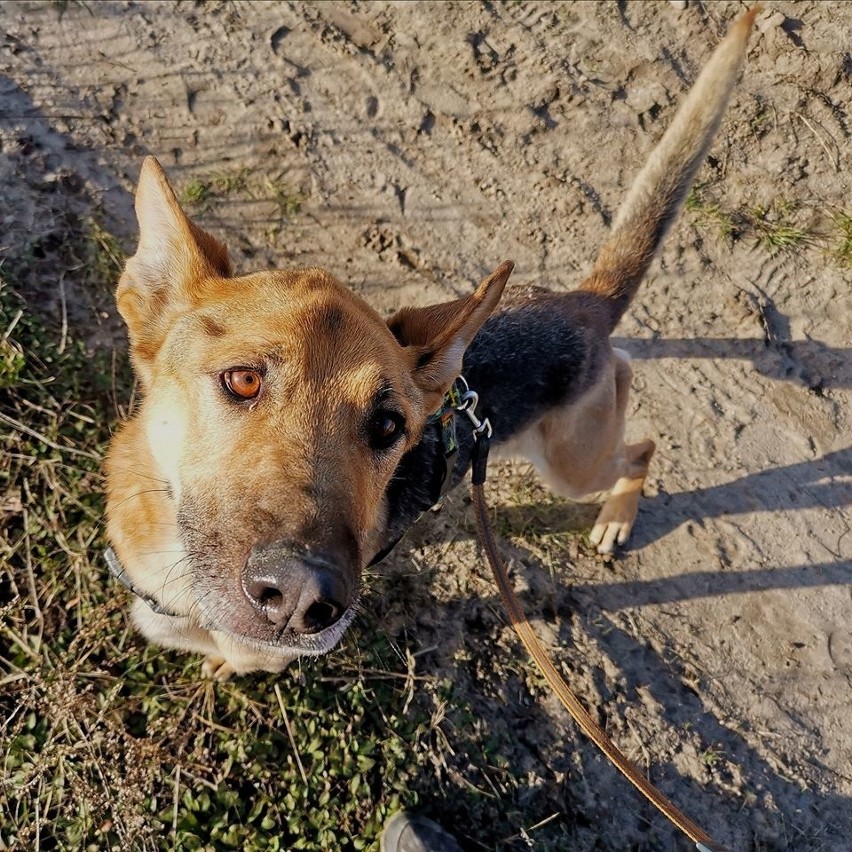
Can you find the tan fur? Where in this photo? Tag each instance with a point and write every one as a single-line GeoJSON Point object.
{"type": "Point", "coordinates": [288, 475]}
{"type": "Point", "coordinates": [658, 192]}
{"type": "Point", "coordinates": [580, 450]}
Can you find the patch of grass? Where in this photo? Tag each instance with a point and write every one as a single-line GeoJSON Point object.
{"type": "Point", "coordinates": [711, 213]}
{"type": "Point", "coordinates": [775, 227]}
{"type": "Point", "coordinates": [712, 756]}
{"type": "Point", "coordinates": [103, 257]}
{"type": "Point", "coordinates": [11, 356]}
{"type": "Point", "coordinates": [841, 250]}
{"type": "Point", "coordinates": [226, 182]}
{"type": "Point", "coordinates": [288, 201]}
{"type": "Point", "coordinates": [286, 205]}
{"type": "Point", "coordinates": [196, 193]}
{"type": "Point", "coordinates": [200, 193]}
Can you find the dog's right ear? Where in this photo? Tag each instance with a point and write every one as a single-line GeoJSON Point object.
{"type": "Point", "coordinates": [172, 261]}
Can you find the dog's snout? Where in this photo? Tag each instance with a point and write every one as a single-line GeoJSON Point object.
{"type": "Point", "coordinates": [301, 593]}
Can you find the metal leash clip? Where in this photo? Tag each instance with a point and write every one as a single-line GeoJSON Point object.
{"type": "Point", "coordinates": [468, 403]}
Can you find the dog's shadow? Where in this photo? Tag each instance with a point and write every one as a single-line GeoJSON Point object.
{"type": "Point", "coordinates": [823, 483]}
{"type": "Point", "coordinates": [812, 363]}
{"type": "Point", "coordinates": [464, 640]}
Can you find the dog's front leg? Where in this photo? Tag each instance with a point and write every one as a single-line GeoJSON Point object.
{"type": "Point", "coordinates": [234, 658]}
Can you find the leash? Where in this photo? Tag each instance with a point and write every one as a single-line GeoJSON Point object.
{"type": "Point", "coordinates": [482, 443]}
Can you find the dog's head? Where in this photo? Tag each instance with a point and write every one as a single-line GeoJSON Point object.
{"type": "Point", "coordinates": [276, 406]}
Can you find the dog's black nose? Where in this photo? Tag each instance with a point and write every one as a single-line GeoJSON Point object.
{"type": "Point", "coordinates": [303, 593]}
{"type": "Point", "coordinates": [320, 605]}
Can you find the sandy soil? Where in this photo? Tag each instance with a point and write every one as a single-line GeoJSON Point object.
{"type": "Point", "coordinates": [423, 144]}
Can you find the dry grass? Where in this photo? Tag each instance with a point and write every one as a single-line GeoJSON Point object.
{"type": "Point", "coordinates": [109, 743]}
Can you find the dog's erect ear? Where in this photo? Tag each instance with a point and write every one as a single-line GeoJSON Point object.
{"type": "Point", "coordinates": [438, 335]}
{"type": "Point", "coordinates": [173, 258]}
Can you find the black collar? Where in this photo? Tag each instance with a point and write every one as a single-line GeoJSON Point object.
{"type": "Point", "coordinates": [444, 422]}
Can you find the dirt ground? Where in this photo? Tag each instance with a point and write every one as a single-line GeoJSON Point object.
{"type": "Point", "coordinates": [409, 148]}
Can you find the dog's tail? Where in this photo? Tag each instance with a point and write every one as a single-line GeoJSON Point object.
{"type": "Point", "coordinates": [656, 196]}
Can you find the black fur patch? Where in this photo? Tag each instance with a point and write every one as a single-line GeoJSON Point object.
{"type": "Point", "coordinates": [330, 318]}
{"type": "Point", "coordinates": [531, 357]}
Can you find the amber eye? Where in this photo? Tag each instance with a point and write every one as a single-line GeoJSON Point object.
{"type": "Point", "coordinates": [385, 429]}
{"type": "Point", "coordinates": [242, 384]}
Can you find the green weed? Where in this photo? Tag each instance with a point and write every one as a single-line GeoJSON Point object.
{"type": "Point", "coordinates": [197, 193]}
{"type": "Point", "coordinates": [841, 250]}
{"type": "Point", "coordinates": [288, 201]}
{"type": "Point", "coordinates": [775, 228]}
{"type": "Point", "coordinates": [712, 757]}
{"type": "Point", "coordinates": [227, 182]}
{"type": "Point", "coordinates": [711, 213]}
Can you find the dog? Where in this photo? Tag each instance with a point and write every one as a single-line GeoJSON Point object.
{"type": "Point", "coordinates": [286, 433]}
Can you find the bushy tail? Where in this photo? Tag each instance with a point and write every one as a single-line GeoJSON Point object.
{"type": "Point", "coordinates": [657, 194]}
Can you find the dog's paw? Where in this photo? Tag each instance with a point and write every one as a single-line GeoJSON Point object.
{"type": "Point", "coordinates": [216, 668]}
{"type": "Point", "coordinates": [615, 521]}
{"type": "Point", "coordinates": [605, 534]}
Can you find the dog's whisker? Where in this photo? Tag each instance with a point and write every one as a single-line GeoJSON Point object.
{"type": "Point", "coordinates": [161, 552]}
{"type": "Point", "coordinates": [141, 494]}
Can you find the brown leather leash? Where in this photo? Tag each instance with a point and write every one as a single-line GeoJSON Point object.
{"type": "Point", "coordinates": [482, 441]}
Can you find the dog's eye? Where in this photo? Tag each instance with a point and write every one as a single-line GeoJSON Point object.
{"type": "Point", "coordinates": [242, 384]}
{"type": "Point", "coordinates": [385, 429]}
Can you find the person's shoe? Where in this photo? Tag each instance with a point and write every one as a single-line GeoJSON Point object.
{"type": "Point", "coordinates": [405, 832]}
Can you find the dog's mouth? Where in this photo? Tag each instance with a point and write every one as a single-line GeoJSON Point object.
{"type": "Point", "coordinates": [282, 599]}
{"type": "Point", "coordinates": [308, 645]}
{"type": "Point", "coordinates": [288, 642]}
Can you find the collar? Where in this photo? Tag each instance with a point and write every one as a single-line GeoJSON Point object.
{"type": "Point", "coordinates": [445, 420]}
{"type": "Point", "coordinates": [459, 398]}
{"type": "Point", "coordinates": [117, 571]}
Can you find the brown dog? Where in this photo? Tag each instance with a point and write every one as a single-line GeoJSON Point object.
{"type": "Point", "coordinates": [284, 437]}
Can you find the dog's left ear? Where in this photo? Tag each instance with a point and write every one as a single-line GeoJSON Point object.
{"type": "Point", "coordinates": [438, 335]}
{"type": "Point", "coordinates": [174, 259]}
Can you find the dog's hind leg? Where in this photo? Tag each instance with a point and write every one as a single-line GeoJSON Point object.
{"type": "Point", "coordinates": [579, 450]}
{"type": "Point", "coordinates": [618, 513]}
